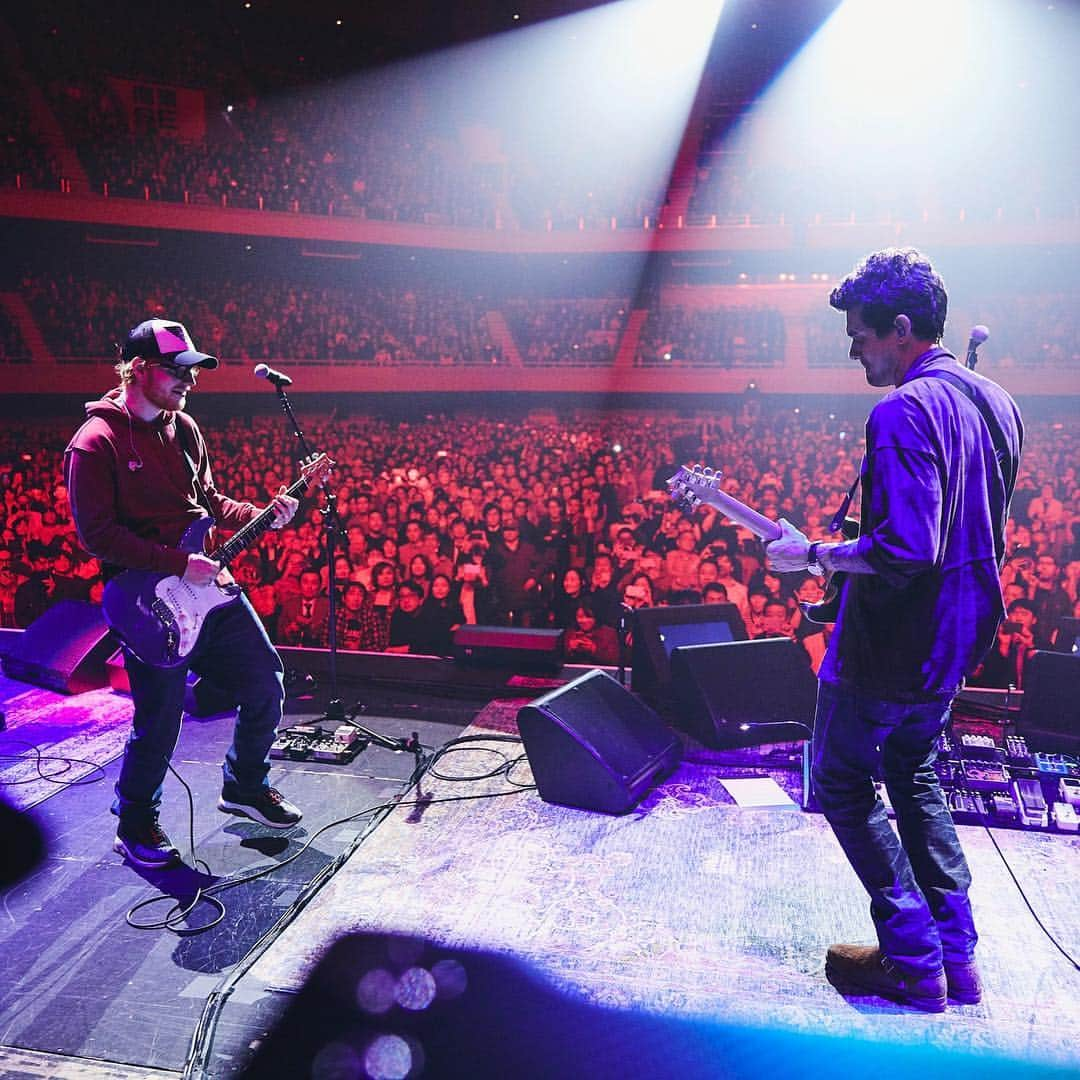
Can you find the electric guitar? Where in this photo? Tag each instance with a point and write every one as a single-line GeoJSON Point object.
{"type": "Point", "coordinates": [159, 616]}
{"type": "Point", "coordinates": [692, 486]}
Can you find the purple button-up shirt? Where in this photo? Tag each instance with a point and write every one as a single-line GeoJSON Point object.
{"type": "Point", "coordinates": [932, 500]}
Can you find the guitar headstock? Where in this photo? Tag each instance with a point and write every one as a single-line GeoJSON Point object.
{"type": "Point", "coordinates": [316, 468]}
{"type": "Point", "coordinates": [692, 483]}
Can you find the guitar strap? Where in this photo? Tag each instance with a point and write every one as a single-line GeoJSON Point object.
{"type": "Point", "coordinates": [1007, 464]}
{"type": "Point", "coordinates": [183, 436]}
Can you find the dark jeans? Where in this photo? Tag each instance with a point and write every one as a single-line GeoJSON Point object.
{"type": "Point", "coordinates": [233, 652]}
{"type": "Point", "coordinates": [918, 884]}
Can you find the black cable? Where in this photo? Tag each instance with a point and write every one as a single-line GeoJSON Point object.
{"type": "Point", "coordinates": [51, 778]}
{"type": "Point", "coordinates": [1023, 896]}
{"type": "Point", "coordinates": [172, 920]}
{"type": "Point", "coordinates": [459, 744]}
{"type": "Point", "coordinates": [180, 911]}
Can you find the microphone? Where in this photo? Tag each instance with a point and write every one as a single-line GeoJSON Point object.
{"type": "Point", "coordinates": [977, 336]}
{"type": "Point", "coordinates": [279, 379]}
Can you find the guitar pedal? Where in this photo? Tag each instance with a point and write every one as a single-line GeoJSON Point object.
{"type": "Point", "coordinates": [1069, 791]}
{"type": "Point", "coordinates": [966, 806]}
{"type": "Point", "coordinates": [1064, 817]}
{"type": "Point", "coordinates": [1004, 807]}
{"type": "Point", "coordinates": [980, 748]}
{"type": "Point", "coordinates": [1031, 804]}
{"type": "Point", "coordinates": [982, 775]}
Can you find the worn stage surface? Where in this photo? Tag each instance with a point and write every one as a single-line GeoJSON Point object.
{"type": "Point", "coordinates": [689, 908]}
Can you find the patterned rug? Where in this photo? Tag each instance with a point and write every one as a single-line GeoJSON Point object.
{"type": "Point", "coordinates": [689, 906]}
{"type": "Point", "coordinates": [86, 730]}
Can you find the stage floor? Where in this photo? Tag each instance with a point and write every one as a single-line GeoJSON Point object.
{"type": "Point", "coordinates": [690, 908]}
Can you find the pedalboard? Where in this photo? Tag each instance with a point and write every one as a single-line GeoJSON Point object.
{"type": "Point", "coordinates": [308, 742]}
{"type": "Point", "coordinates": [1004, 783]}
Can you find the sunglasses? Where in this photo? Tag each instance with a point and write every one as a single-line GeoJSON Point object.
{"type": "Point", "coordinates": [178, 371]}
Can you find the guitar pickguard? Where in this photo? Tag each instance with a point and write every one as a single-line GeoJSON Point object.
{"type": "Point", "coordinates": [182, 608]}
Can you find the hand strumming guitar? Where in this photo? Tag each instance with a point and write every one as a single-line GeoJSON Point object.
{"type": "Point", "coordinates": [201, 570]}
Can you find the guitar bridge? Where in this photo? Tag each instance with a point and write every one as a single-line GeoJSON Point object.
{"type": "Point", "coordinates": [164, 615]}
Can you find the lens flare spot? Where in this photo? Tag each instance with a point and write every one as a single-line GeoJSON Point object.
{"type": "Point", "coordinates": [375, 992]}
{"type": "Point", "coordinates": [416, 989]}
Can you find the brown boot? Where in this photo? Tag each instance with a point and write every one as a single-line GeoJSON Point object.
{"type": "Point", "coordinates": [864, 969]}
{"type": "Point", "coordinates": [965, 986]}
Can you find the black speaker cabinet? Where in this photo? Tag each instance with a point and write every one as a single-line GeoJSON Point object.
{"type": "Point", "coordinates": [592, 744]}
{"type": "Point", "coordinates": [1049, 717]}
{"type": "Point", "coordinates": [659, 631]}
{"type": "Point", "coordinates": [65, 649]}
{"type": "Point", "coordinates": [517, 647]}
{"type": "Point", "coordinates": [743, 693]}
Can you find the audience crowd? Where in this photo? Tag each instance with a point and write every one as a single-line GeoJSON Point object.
{"type": "Point", "coordinates": [404, 149]}
{"type": "Point", "coordinates": [575, 332]}
{"type": "Point", "coordinates": [13, 347]}
{"type": "Point", "coordinates": [256, 320]}
{"type": "Point", "coordinates": [726, 336]}
{"type": "Point", "coordinates": [541, 522]}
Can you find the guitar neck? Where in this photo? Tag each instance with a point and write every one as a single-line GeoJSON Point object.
{"type": "Point", "coordinates": [251, 532]}
{"type": "Point", "coordinates": [741, 514]}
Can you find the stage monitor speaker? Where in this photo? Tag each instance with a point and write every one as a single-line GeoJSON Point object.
{"type": "Point", "coordinates": [594, 745]}
{"type": "Point", "coordinates": [1067, 635]}
{"type": "Point", "coordinates": [517, 647]}
{"type": "Point", "coordinates": [1049, 717]}
{"type": "Point", "coordinates": [658, 631]}
{"type": "Point", "coordinates": [743, 693]}
{"type": "Point", "coordinates": [65, 649]}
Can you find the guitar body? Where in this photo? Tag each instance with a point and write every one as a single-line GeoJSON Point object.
{"type": "Point", "coordinates": [159, 616]}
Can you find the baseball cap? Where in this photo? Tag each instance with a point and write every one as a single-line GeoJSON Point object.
{"type": "Point", "coordinates": [163, 339]}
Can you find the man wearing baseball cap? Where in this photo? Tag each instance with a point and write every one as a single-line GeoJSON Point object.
{"type": "Point", "coordinates": [138, 475]}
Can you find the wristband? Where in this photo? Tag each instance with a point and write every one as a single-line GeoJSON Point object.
{"type": "Point", "coordinates": [813, 563]}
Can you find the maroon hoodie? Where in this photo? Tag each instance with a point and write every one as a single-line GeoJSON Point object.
{"type": "Point", "coordinates": [131, 516]}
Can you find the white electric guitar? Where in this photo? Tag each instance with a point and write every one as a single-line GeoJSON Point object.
{"type": "Point", "coordinates": [159, 616]}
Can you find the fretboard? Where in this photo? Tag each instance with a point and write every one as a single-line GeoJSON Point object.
{"type": "Point", "coordinates": [251, 532]}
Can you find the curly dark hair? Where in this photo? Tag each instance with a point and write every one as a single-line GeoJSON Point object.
{"type": "Point", "coordinates": [891, 282]}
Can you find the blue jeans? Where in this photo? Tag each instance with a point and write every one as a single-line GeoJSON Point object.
{"type": "Point", "coordinates": [918, 883]}
{"type": "Point", "coordinates": [234, 652]}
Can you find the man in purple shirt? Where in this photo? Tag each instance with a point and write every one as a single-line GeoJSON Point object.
{"type": "Point", "coordinates": [919, 607]}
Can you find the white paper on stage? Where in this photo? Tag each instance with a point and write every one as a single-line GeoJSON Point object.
{"type": "Point", "coordinates": [757, 791]}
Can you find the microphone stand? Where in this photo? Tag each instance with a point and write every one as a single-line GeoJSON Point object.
{"type": "Point", "coordinates": [335, 710]}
